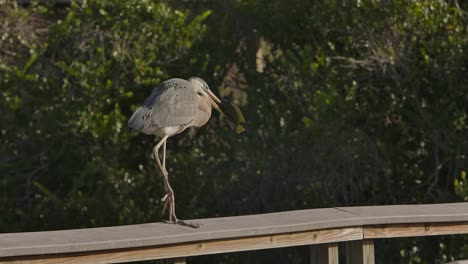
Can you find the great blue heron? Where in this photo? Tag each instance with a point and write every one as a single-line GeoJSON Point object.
{"type": "Point", "coordinates": [173, 106]}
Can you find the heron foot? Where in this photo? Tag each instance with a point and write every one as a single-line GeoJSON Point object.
{"type": "Point", "coordinates": [192, 225]}
{"type": "Point", "coordinates": [183, 223]}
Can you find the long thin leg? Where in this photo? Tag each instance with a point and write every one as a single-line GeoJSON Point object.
{"type": "Point", "coordinates": [164, 154]}
{"type": "Point", "coordinates": [171, 192]}
{"type": "Point", "coordinates": [156, 156]}
{"type": "Point", "coordinates": [164, 199]}
{"type": "Point", "coordinates": [163, 171]}
{"type": "Point", "coordinates": [169, 198]}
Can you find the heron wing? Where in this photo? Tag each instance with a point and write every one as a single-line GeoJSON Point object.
{"type": "Point", "coordinates": [172, 103]}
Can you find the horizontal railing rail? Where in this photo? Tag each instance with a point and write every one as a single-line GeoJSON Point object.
{"type": "Point", "coordinates": [323, 229]}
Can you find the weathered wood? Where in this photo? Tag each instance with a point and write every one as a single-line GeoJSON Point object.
{"type": "Point", "coordinates": [178, 261]}
{"type": "Point", "coordinates": [195, 249]}
{"type": "Point", "coordinates": [333, 255]}
{"type": "Point", "coordinates": [401, 214]}
{"type": "Point", "coordinates": [368, 255]}
{"type": "Point", "coordinates": [230, 234]}
{"type": "Point", "coordinates": [324, 253]}
{"type": "Point", "coordinates": [319, 254]}
{"type": "Point", "coordinates": [94, 239]}
{"type": "Point", "coordinates": [132, 236]}
{"type": "Point", "coordinates": [360, 252]}
{"type": "Point", "coordinates": [411, 230]}
{"type": "Point", "coordinates": [354, 252]}
{"type": "Point", "coordinates": [172, 261]}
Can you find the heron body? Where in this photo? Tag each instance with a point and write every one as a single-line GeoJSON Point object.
{"type": "Point", "coordinates": [173, 106]}
{"type": "Point", "coordinates": [174, 103]}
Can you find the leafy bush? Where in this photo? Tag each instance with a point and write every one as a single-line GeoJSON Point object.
{"type": "Point", "coordinates": [356, 103]}
{"type": "Point", "coordinates": [69, 82]}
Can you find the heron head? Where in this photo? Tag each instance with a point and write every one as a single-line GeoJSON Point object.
{"type": "Point", "coordinates": [232, 112]}
{"type": "Point", "coordinates": [202, 89]}
{"type": "Point", "coordinates": [198, 83]}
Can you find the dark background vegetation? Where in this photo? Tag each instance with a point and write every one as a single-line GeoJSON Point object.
{"type": "Point", "coordinates": [347, 103]}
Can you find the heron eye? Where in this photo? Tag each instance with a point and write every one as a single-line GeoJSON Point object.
{"type": "Point", "coordinates": [200, 93]}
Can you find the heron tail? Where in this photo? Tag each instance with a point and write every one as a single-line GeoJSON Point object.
{"type": "Point", "coordinates": [139, 119]}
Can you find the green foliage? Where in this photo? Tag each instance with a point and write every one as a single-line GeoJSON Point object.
{"type": "Point", "coordinates": [461, 188]}
{"type": "Point", "coordinates": [67, 95]}
{"type": "Point", "coordinates": [358, 103]}
{"type": "Point", "coordinates": [374, 97]}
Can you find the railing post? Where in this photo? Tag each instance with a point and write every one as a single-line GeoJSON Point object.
{"type": "Point", "coordinates": [179, 261]}
{"type": "Point", "coordinates": [324, 253]}
{"type": "Point", "coordinates": [368, 251]}
{"type": "Point", "coordinates": [360, 252]}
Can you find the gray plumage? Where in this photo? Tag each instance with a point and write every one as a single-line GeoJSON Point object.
{"type": "Point", "coordinates": [173, 106]}
{"type": "Point", "coordinates": [175, 102]}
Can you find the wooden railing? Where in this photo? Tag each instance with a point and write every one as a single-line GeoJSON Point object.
{"type": "Point", "coordinates": [322, 229]}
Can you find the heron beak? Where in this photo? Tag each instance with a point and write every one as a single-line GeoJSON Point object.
{"type": "Point", "coordinates": [213, 96]}
{"type": "Point", "coordinates": [214, 100]}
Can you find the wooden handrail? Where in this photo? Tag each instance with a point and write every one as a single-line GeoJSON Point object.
{"type": "Point", "coordinates": [240, 233]}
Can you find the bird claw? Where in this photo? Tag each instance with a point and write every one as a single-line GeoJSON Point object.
{"type": "Point", "coordinates": [183, 223]}
{"type": "Point", "coordinates": [192, 225]}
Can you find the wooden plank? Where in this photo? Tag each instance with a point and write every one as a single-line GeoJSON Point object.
{"type": "Point", "coordinates": [392, 221]}
{"type": "Point", "coordinates": [319, 254]}
{"type": "Point", "coordinates": [354, 252]}
{"type": "Point", "coordinates": [401, 214]}
{"type": "Point", "coordinates": [368, 255]}
{"type": "Point", "coordinates": [360, 252]}
{"type": "Point", "coordinates": [412, 230]}
{"type": "Point", "coordinates": [154, 234]}
{"type": "Point", "coordinates": [178, 261]}
{"type": "Point", "coordinates": [333, 255]}
{"type": "Point", "coordinates": [197, 248]}
{"type": "Point", "coordinates": [324, 253]}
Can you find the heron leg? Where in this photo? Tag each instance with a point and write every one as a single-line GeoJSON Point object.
{"type": "Point", "coordinates": [164, 155]}
{"type": "Point", "coordinates": [164, 199]}
{"type": "Point", "coordinates": [156, 156]}
{"type": "Point", "coordinates": [169, 198]}
{"type": "Point", "coordinates": [164, 172]}
{"type": "Point", "coordinates": [170, 193]}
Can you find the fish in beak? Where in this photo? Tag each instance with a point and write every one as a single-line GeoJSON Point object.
{"type": "Point", "coordinates": [232, 113]}
{"type": "Point", "coordinates": [234, 116]}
